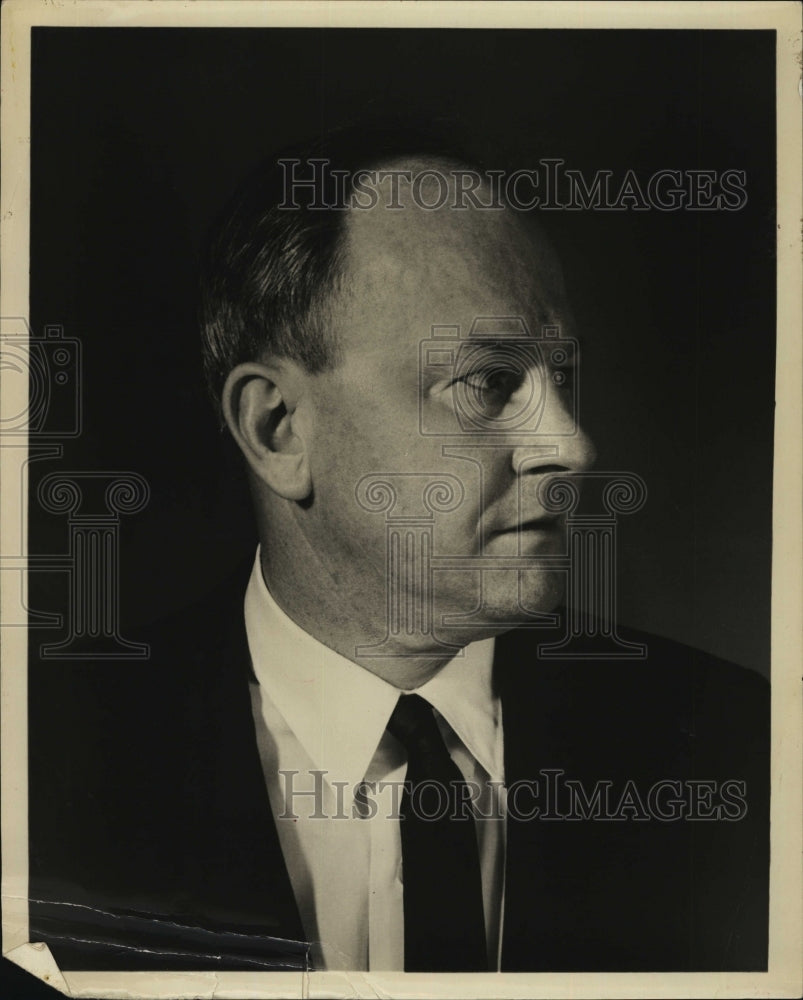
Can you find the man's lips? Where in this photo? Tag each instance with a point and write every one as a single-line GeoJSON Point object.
{"type": "Point", "coordinates": [543, 523]}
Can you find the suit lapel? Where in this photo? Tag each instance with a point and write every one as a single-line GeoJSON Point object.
{"type": "Point", "coordinates": [237, 858]}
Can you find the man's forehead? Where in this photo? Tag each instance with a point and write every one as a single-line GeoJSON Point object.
{"type": "Point", "coordinates": [447, 265]}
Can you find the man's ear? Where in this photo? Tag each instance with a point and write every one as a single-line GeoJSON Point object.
{"type": "Point", "coordinates": [260, 407]}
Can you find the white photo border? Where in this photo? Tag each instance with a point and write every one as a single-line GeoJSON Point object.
{"type": "Point", "coordinates": [783, 978]}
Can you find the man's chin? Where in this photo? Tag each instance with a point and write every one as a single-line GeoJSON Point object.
{"type": "Point", "coordinates": [540, 592]}
{"type": "Point", "coordinates": [503, 605]}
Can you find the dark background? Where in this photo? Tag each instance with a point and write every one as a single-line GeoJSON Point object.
{"type": "Point", "coordinates": [138, 135]}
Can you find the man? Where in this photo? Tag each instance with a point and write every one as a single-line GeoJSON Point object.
{"type": "Point", "coordinates": [357, 757]}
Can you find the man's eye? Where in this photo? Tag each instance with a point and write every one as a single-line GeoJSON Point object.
{"type": "Point", "coordinates": [490, 388]}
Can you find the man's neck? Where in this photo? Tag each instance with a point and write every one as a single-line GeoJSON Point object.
{"type": "Point", "coordinates": [323, 607]}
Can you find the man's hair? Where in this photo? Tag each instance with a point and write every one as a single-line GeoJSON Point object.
{"type": "Point", "coordinates": [273, 263]}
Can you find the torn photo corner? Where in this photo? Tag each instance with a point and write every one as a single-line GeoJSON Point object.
{"type": "Point", "coordinates": [401, 472]}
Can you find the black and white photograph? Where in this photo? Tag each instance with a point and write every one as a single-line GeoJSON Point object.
{"type": "Point", "coordinates": [401, 486]}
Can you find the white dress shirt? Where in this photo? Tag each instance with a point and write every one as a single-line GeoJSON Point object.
{"type": "Point", "coordinates": [320, 722]}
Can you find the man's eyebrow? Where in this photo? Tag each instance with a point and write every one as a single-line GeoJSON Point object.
{"type": "Point", "coordinates": [545, 319]}
{"type": "Point", "coordinates": [539, 340]}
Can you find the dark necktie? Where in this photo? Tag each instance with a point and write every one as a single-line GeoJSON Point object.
{"type": "Point", "coordinates": [444, 925]}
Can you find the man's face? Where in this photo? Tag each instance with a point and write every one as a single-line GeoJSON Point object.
{"type": "Point", "coordinates": [482, 408]}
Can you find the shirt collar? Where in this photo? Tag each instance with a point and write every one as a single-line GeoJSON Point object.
{"type": "Point", "coordinates": [462, 691]}
{"type": "Point", "coordinates": [338, 710]}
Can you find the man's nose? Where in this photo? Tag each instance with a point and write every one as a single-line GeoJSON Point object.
{"type": "Point", "coordinates": [554, 439]}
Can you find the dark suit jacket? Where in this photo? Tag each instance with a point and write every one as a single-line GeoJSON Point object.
{"type": "Point", "coordinates": [153, 845]}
